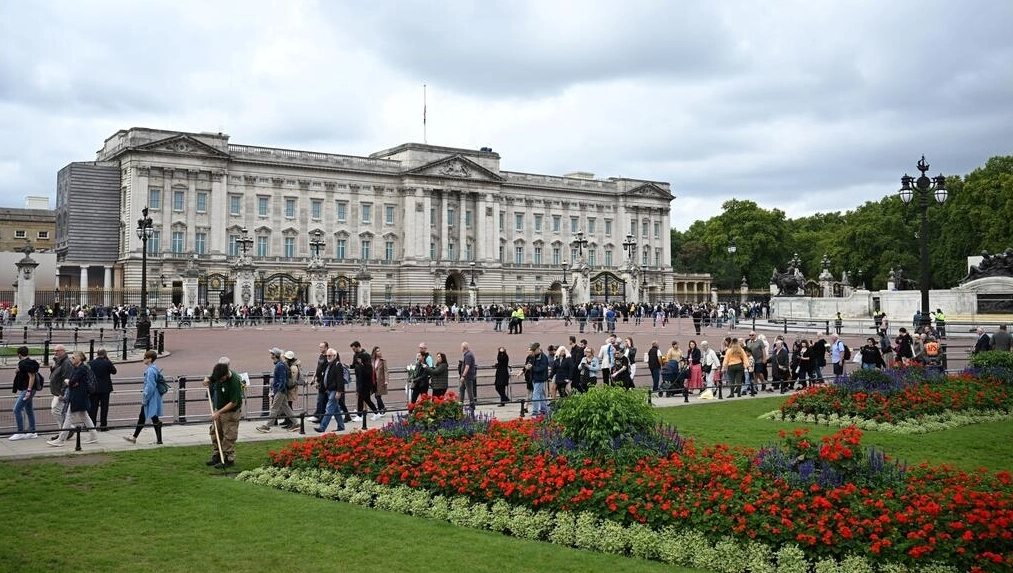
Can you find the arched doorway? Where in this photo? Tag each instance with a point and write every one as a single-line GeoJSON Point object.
{"type": "Point", "coordinates": [452, 289]}
{"type": "Point", "coordinates": [554, 295]}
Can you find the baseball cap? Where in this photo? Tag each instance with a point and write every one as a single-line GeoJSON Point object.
{"type": "Point", "coordinates": [534, 346]}
{"type": "Point", "coordinates": [275, 351]}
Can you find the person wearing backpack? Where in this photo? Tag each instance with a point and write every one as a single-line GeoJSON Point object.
{"type": "Point", "coordinates": [27, 381]}
{"type": "Point", "coordinates": [837, 356]}
{"type": "Point", "coordinates": [151, 399]}
{"type": "Point", "coordinates": [77, 397]}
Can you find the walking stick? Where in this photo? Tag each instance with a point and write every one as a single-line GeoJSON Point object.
{"type": "Point", "coordinates": [214, 424]}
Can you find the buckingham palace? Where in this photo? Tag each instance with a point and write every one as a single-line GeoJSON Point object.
{"type": "Point", "coordinates": [413, 224]}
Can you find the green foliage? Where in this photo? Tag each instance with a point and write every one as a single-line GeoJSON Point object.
{"type": "Point", "coordinates": [599, 417]}
{"type": "Point", "coordinates": [873, 238]}
{"type": "Point", "coordinates": [992, 359]}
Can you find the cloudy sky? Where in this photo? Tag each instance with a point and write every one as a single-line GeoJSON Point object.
{"type": "Point", "coordinates": [808, 106]}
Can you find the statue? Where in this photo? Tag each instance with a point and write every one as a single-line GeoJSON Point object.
{"type": "Point", "coordinates": [998, 265]}
{"type": "Point", "coordinates": [790, 281]}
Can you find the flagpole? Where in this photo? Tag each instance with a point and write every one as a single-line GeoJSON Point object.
{"type": "Point", "coordinates": [424, 140]}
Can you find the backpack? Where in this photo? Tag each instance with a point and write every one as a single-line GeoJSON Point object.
{"type": "Point", "coordinates": [40, 382]}
{"type": "Point", "coordinates": [293, 377]}
{"type": "Point", "coordinates": [160, 384]}
{"type": "Point", "coordinates": [847, 352]}
{"type": "Point", "coordinates": [90, 379]}
{"type": "Point", "coordinates": [932, 348]}
{"type": "Point", "coordinates": [346, 374]}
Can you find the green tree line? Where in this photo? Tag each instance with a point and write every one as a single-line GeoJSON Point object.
{"type": "Point", "coordinates": [872, 239]}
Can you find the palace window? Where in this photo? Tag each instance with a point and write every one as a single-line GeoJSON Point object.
{"type": "Point", "coordinates": [262, 246]}
{"type": "Point", "coordinates": [608, 257]}
{"type": "Point", "coordinates": [177, 242]}
{"type": "Point", "coordinates": [590, 226]}
{"type": "Point", "coordinates": [262, 206]}
{"type": "Point", "coordinates": [388, 214]}
{"type": "Point", "coordinates": [557, 222]}
{"type": "Point", "coordinates": [155, 243]}
{"type": "Point", "coordinates": [518, 222]}
{"type": "Point", "coordinates": [339, 252]}
{"type": "Point", "coordinates": [538, 255]}
{"type": "Point", "coordinates": [154, 198]}
{"type": "Point", "coordinates": [202, 202]}
{"type": "Point", "coordinates": [289, 208]}
{"type": "Point", "coordinates": [388, 251]}
{"type": "Point", "coordinates": [538, 223]}
{"type": "Point", "coordinates": [289, 247]}
{"type": "Point", "coordinates": [519, 255]}
{"type": "Point", "coordinates": [366, 244]}
{"type": "Point", "coordinates": [233, 245]}
{"type": "Point", "coordinates": [316, 209]}
{"type": "Point", "coordinates": [235, 202]}
{"type": "Point", "coordinates": [178, 200]}
{"type": "Point", "coordinates": [555, 257]}
{"type": "Point", "coordinates": [200, 243]}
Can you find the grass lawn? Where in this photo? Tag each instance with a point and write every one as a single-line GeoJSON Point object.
{"type": "Point", "coordinates": [163, 510]}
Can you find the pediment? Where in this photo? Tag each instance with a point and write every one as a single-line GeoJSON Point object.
{"type": "Point", "coordinates": [455, 167]}
{"type": "Point", "coordinates": [649, 191]}
{"type": "Point", "coordinates": [182, 145]}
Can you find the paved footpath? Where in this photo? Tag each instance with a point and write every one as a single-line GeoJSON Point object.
{"type": "Point", "coordinates": [193, 352]}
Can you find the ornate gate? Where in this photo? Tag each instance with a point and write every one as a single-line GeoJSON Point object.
{"type": "Point", "coordinates": [282, 288]}
{"type": "Point", "coordinates": [607, 286]}
{"type": "Point", "coordinates": [343, 290]}
{"type": "Point", "coordinates": [215, 288]}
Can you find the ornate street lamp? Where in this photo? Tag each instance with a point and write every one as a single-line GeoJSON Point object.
{"type": "Point", "coordinates": [317, 243]}
{"type": "Point", "coordinates": [630, 245]}
{"type": "Point", "coordinates": [472, 265]}
{"type": "Point", "coordinates": [580, 242]}
{"type": "Point", "coordinates": [566, 267]}
{"type": "Point", "coordinates": [144, 232]}
{"type": "Point", "coordinates": [924, 187]}
{"type": "Point", "coordinates": [732, 248]}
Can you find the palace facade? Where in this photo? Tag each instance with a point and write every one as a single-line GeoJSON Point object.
{"type": "Point", "coordinates": [414, 223]}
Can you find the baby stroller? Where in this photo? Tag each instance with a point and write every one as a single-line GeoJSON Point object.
{"type": "Point", "coordinates": [673, 379]}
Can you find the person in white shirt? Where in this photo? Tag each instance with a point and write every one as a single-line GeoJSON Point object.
{"type": "Point", "coordinates": [710, 363]}
{"type": "Point", "coordinates": [605, 359]}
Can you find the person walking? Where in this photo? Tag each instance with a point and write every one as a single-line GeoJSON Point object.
{"type": "Point", "coordinates": [983, 343]}
{"type": "Point", "coordinates": [362, 365]}
{"type": "Point", "coordinates": [58, 372]}
{"type": "Point", "coordinates": [562, 371]}
{"type": "Point", "coordinates": [502, 381]}
{"type": "Point", "coordinates": [710, 364]}
{"type": "Point", "coordinates": [27, 381]}
{"type": "Point", "coordinates": [537, 364]}
{"type": "Point", "coordinates": [103, 369]}
{"type": "Point", "coordinates": [226, 388]}
{"type": "Point", "coordinates": [420, 373]}
{"type": "Point", "coordinates": [469, 377]}
{"type": "Point", "coordinates": [279, 394]}
{"type": "Point", "coordinates": [734, 367]}
{"type": "Point", "coordinates": [837, 356]}
{"type": "Point", "coordinates": [1001, 339]}
{"type": "Point", "coordinates": [151, 400]}
{"type": "Point", "coordinates": [77, 399]}
{"type": "Point", "coordinates": [333, 384]}
{"type": "Point", "coordinates": [654, 365]}
{"type": "Point", "coordinates": [380, 378]}
{"type": "Point", "coordinates": [318, 381]}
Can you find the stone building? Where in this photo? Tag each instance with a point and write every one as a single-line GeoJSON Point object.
{"type": "Point", "coordinates": [35, 224]}
{"type": "Point", "coordinates": [410, 224]}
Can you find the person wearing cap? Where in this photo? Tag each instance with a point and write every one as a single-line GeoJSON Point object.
{"type": "Point", "coordinates": [294, 377]}
{"type": "Point", "coordinates": [279, 394]}
{"type": "Point", "coordinates": [226, 389]}
{"type": "Point", "coordinates": [537, 365]}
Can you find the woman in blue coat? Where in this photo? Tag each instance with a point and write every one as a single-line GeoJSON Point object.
{"type": "Point", "coordinates": [151, 400]}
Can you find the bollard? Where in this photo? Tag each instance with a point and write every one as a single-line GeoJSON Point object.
{"type": "Point", "coordinates": [26, 334]}
{"type": "Point", "coordinates": [181, 393]}
{"type": "Point", "coordinates": [523, 409]}
{"type": "Point", "coordinates": [785, 325]}
{"type": "Point", "coordinates": [91, 350]}
{"type": "Point", "coordinates": [76, 329]}
{"type": "Point", "coordinates": [161, 342]}
{"type": "Point", "coordinates": [45, 352]}
{"type": "Point", "coordinates": [1, 333]}
{"type": "Point", "coordinates": [826, 328]}
{"type": "Point", "coordinates": [720, 387]}
{"type": "Point", "coordinates": [302, 423]}
{"type": "Point", "coordinates": [124, 347]}
{"type": "Point", "coordinates": [50, 327]}
{"type": "Point", "coordinates": [101, 334]}
{"type": "Point", "coordinates": [77, 437]}
{"type": "Point", "coordinates": [754, 321]}
{"type": "Point", "coordinates": [685, 393]}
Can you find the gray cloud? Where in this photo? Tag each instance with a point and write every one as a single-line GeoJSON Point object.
{"type": "Point", "coordinates": [797, 105]}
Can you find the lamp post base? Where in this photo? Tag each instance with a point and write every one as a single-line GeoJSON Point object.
{"type": "Point", "coordinates": [143, 339]}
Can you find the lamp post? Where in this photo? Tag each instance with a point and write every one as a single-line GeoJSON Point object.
{"type": "Point", "coordinates": [245, 241]}
{"type": "Point", "coordinates": [472, 265]}
{"type": "Point", "coordinates": [580, 242]}
{"type": "Point", "coordinates": [317, 243]}
{"type": "Point", "coordinates": [732, 248]}
{"type": "Point", "coordinates": [924, 187]}
{"type": "Point", "coordinates": [144, 232]}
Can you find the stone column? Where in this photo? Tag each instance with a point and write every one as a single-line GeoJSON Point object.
{"type": "Point", "coordinates": [26, 284]}
{"type": "Point", "coordinates": [472, 296]}
{"type": "Point", "coordinates": [107, 286]}
{"type": "Point", "coordinates": [714, 295]}
{"type": "Point", "coordinates": [84, 285]}
{"type": "Point", "coordinates": [581, 281]}
{"type": "Point", "coordinates": [632, 288]}
{"type": "Point", "coordinates": [243, 293]}
{"type": "Point", "coordinates": [743, 291]}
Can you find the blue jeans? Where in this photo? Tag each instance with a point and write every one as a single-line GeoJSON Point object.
{"type": "Point", "coordinates": [321, 405]}
{"type": "Point", "coordinates": [655, 379]}
{"type": "Point", "coordinates": [332, 412]}
{"type": "Point", "coordinates": [25, 405]}
{"type": "Point", "coordinates": [538, 404]}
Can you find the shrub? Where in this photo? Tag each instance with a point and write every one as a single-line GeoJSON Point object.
{"type": "Point", "coordinates": [604, 419]}
{"type": "Point", "coordinates": [992, 359]}
{"type": "Point", "coordinates": [870, 378]}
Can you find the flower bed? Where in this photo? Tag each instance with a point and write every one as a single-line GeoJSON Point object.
{"type": "Point", "coordinates": [900, 518]}
{"type": "Point", "coordinates": [903, 398]}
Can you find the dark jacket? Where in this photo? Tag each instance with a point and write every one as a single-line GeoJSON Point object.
{"type": "Point", "coordinates": [61, 370]}
{"type": "Point", "coordinates": [502, 370]}
{"type": "Point", "coordinates": [78, 386]}
{"type": "Point", "coordinates": [103, 368]}
{"type": "Point", "coordinates": [654, 358]}
{"type": "Point", "coordinates": [362, 364]}
{"type": "Point", "coordinates": [25, 367]}
{"type": "Point", "coordinates": [333, 381]}
{"type": "Point", "coordinates": [562, 370]}
{"type": "Point", "coordinates": [818, 352]}
{"type": "Point", "coordinates": [438, 376]}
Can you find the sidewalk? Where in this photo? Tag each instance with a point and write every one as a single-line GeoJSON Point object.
{"type": "Point", "coordinates": [197, 433]}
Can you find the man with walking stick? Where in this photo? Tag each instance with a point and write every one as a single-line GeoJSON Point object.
{"type": "Point", "coordinates": [225, 397]}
